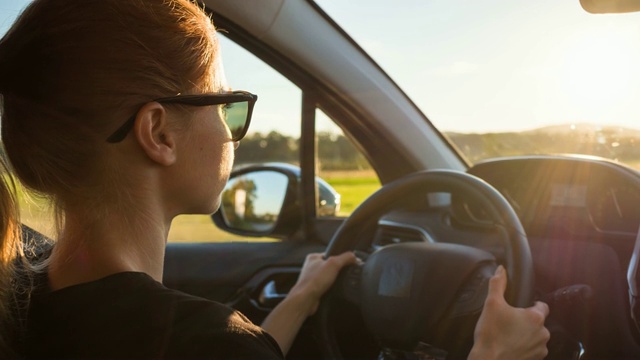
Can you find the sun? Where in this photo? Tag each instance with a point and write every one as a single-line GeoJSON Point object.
{"type": "Point", "coordinates": [599, 71]}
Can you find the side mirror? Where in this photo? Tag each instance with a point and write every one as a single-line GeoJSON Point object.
{"type": "Point", "coordinates": [252, 202]}
{"type": "Point", "coordinates": [260, 201]}
{"type": "Point", "coordinates": [264, 200]}
{"type": "Point", "coordinates": [328, 199]}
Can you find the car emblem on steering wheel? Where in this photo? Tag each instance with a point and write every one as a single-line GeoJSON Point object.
{"type": "Point", "coordinates": [395, 279]}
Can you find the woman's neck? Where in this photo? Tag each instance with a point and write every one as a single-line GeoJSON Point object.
{"type": "Point", "coordinates": [91, 250]}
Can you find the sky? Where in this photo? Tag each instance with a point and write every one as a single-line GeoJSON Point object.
{"type": "Point", "coordinates": [8, 10]}
{"type": "Point", "coordinates": [502, 65]}
{"type": "Point", "coordinates": [474, 66]}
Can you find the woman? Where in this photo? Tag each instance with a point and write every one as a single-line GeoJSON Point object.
{"type": "Point", "coordinates": [116, 111]}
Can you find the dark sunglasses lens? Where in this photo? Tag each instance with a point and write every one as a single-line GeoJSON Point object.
{"type": "Point", "coordinates": [235, 116]}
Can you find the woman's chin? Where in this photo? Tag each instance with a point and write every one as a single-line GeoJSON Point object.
{"type": "Point", "coordinates": [214, 206]}
{"type": "Point", "coordinates": [203, 208]}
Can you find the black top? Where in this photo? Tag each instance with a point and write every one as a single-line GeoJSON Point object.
{"type": "Point", "coordinates": [131, 316]}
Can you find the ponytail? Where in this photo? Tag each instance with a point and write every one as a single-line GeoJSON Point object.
{"type": "Point", "coordinates": [10, 250]}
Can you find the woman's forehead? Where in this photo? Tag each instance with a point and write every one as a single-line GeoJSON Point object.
{"type": "Point", "coordinates": [219, 78]}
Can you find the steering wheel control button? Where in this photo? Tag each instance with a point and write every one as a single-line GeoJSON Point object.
{"type": "Point", "coordinates": [351, 283]}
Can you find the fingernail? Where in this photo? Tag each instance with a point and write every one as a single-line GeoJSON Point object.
{"type": "Point", "coordinates": [499, 270]}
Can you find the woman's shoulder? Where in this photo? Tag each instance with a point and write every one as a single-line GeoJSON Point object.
{"type": "Point", "coordinates": [139, 296]}
{"type": "Point", "coordinates": [136, 314]}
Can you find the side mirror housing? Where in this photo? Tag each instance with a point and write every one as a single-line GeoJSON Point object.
{"type": "Point", "coordinates": [264, 200]}
{"type": "Point", "coordinates": [260, 200]}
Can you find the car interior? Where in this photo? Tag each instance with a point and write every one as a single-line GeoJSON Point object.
{"type": "Point", "coordinates": [565, 226]}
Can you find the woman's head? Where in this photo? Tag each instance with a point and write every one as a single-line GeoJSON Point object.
{"type": "Point", "coordinates": [71, 71]}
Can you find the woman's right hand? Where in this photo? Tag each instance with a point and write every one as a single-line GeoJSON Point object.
{"type": "Point", "coordinates": [505, 332]}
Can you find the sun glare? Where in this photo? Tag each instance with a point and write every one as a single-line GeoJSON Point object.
{"type": "Point", "coordinates": [598, 72]}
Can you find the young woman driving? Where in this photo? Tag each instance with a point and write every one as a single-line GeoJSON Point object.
{"type": "Point", "coordinates": [117, 111]}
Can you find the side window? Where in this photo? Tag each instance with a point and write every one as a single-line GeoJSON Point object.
{"type": "Point", "coordinates": [273, 135]}
{"type": "Point", "coordinates": [35, 212]}
{"type": "Point", "coordinates": [347, 177]}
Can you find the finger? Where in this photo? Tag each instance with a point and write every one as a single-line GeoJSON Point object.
{"type": "Point", "coordinates": [315, 255]}
{"type": "Point", "coordinates": [498, 283]}
{"type": "Point", "coordinates": [344, 259]}
{"type": "Point", "coordinates": [541, 307]}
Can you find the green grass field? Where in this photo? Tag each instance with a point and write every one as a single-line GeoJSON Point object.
{"type": "Point", "coordinates": [353, 188]}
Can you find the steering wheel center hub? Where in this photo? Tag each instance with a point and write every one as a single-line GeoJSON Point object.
{"type": "Point", "coordinates": [402, 300]}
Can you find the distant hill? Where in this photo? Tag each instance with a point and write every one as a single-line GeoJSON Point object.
{"type": "Point", "coordinates": [587, 128]}
{"type": "Point", "coordinates": [563, 129]}
{"type": "Point", "coordinates": [612, 142]}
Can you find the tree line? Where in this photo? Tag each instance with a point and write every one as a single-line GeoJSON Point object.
{"type": "Point", "coordinates": [604, 143]}
{"type": "Point", "coordinates": [334, 151]}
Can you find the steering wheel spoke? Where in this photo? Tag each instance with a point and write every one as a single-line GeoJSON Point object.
{"type": "Point", "coordinates": [349, 284]}
{"type": "Point", "coordinates": [471, 296]}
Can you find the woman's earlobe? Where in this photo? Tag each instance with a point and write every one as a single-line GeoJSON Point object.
{"type": "Point", "coordinates": [153, 134]}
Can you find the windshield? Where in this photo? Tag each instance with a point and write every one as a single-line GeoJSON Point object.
{"type": "Point", "coordinates": [510, 77]}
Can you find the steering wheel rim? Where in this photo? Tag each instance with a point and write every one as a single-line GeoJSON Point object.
{"type": "Point", "coordinates": [518, 261]}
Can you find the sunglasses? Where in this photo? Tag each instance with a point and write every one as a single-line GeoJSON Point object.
{"type": "Point", "coordinates": [236, 112]}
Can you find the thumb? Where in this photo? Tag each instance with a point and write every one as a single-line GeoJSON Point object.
{"type": "Point", "coordinates": [498, 283]}
{"type": "Point", "coordinates": [541, 308]}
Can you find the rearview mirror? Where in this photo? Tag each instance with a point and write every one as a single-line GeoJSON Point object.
{"type": "Point", "coordinates": [610, 6]}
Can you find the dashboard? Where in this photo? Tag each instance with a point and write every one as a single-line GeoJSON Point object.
{"type": "Point", "coordinates": [581, 195]}
{"type": "Point", "coordinates": [582, 218]}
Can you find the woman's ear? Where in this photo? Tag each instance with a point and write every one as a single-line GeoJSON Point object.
{"type": "Point", "coordinates": [154, 135]}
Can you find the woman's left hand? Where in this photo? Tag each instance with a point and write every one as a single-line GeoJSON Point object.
{"type": "Point", "coordinates": [317, 276]}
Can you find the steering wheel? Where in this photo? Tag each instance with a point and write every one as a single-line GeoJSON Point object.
{"type": "Point", "coordinates": [421, 293]}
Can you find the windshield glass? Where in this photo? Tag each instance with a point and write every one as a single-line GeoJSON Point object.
{"type": "Point", "coordinates": [510, 77]}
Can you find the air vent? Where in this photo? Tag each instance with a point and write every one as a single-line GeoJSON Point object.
{"type": "Point", "coordinates": [390, 232]}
